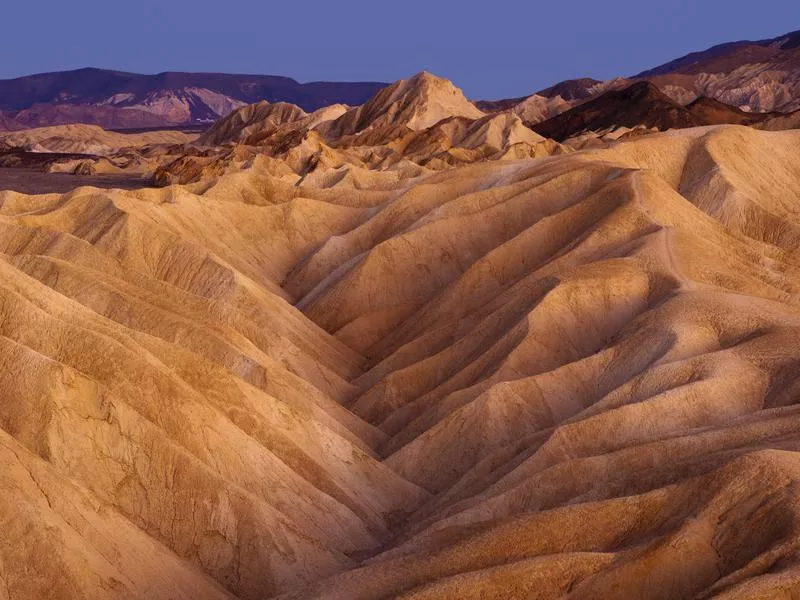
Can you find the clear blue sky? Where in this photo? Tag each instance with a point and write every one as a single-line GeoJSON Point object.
{"type": "Point", "coordinates": [491, 48]}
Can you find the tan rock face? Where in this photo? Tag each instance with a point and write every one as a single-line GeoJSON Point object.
{"type": "Point", "coordinates": [753, 76]}
{"type": "Point", "coordinates": [243, 124]}
{"type": "Point", "coordinates": [571, 376]}
{"type": "Point", "coordinates": [410, 128]}
{"type": "Point", "coordinates": [87, 139]}
{"type": "Point", "coordinates": [535, 108]}
{"type": "Point", "coordinates": [418, 103]}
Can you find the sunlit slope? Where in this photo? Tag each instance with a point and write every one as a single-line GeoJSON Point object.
{"type": "Point", "coordinates": [590, 364]}
{"type": "Point", "coordinates": [571, 376]}
{"type": "Point", "coordinates": [174, 391]}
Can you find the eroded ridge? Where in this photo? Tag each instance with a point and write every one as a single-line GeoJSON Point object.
{"type": "Point", "coordinates": [570, 376]}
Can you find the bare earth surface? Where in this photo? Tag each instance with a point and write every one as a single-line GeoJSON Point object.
{"type": "Point", "coordinates": [34, 181]}
{"type": "Point", "coordinates": [566, 377]}
{"type": "Point", "coordinates": [404, 350]}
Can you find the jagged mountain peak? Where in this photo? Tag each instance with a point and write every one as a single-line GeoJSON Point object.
{"type": "Point", "coordinates": [417, 103]}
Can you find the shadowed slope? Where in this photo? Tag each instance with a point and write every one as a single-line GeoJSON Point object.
{"type": "Point", "coordinates": [115, 99]}
{"type": "Point", "coordinates": [573, 376]}
{"type": "Point", "coordinates": [641, 105]}
{"type": "Point", "coordinates": [406, 130]}
{"type": "Point", "coordinates": [541, 340]}
{"type": "Point", "coordinates": [171, 389]}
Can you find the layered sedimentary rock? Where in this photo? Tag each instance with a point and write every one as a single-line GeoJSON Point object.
{"type": "Point", "coordinates": [571, 376]}
{"type": "Point", "coordinates": [753, 76]}
{"type": "Point", "coordinates": [412, 127]}
{"type": "Point", "coordinates": [119, 100]}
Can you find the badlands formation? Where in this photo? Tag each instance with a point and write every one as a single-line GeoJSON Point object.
{"type": "Point", "coordinates": [417, 125]}
{"type": "Point", "coordinates": [84, 154]}
{"type": "Point", "coordinates": [407, 350]}
{"type": "Point", "coordinates": [753, 76]}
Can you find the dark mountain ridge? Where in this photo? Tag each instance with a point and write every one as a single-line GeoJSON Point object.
{"type": "Point", "coordinates": [759, 76]}
{"type": "Point", "coordinates": [643, 104]}
{"type": "Point", "coordinates": [716, 56]}
{"type": "Point", "coordinates": [169, 98]}
{"type": "Point", "coordinates": [94, 85]}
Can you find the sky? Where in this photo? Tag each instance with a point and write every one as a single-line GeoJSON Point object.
{"type": "Point", "coordinates": [491, 49]}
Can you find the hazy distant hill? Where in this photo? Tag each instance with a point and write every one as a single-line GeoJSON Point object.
{"type": "Point", "coordinates": [128, 100]}
{"type": "Point", "coordinates": [754, 76]}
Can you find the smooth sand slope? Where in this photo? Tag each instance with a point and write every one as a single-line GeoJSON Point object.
{"type": "Point", "coordinates": [564, 377]}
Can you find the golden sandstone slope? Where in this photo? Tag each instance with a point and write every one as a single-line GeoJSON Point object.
{"type": "Point", "coordinates": [416, 125]}
{"type": "Point", "coordinates": [564, 377]}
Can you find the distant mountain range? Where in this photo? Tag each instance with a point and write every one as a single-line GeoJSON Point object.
{"type": "Point", "coordinates": [119, 100]}
{"type": "Point", "coordinates": [751, 76]}
{"type": "Point", "coordinates": [642, 104]}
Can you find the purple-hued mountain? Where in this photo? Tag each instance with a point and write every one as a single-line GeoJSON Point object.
{"type": "Point", "coordinates": [752, 76]}
{"type": "Point", "coordinates": [119, 100]}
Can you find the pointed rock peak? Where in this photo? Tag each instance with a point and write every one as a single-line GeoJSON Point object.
{"type": "Point", "coordinates": [426, 76]}
{"type": "Point", "coordinates": [417, 102]}
{"type": "Point", "coordinates": [425, 82]}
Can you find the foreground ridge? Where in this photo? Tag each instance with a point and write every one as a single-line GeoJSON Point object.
{"type": "Point", "coordinates": [571, 376]}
